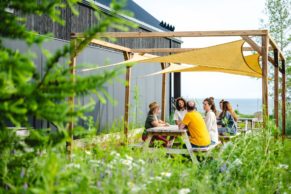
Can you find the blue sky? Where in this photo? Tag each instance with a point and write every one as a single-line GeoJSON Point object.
{"type": "Point", "coordinates": [197, 15]}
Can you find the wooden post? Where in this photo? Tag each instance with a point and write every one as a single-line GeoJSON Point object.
{"type": "Point", "coordinates": [276, 86]}
{"type": "Point", "coordinates": [283, 100]}
{"type": "Point", "coordinates": [163, 117]}
{"type": "Point", "coordinates": [127, 96]}
{"type": "Point", "coordinates": [265, 46]}
{"type": "Point", "coordinates": [71, 101]}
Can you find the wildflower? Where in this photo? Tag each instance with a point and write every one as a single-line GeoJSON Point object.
{"type": "Point", "coordinates": [88, 152]}
{"type": "Point", "coordinates": [184, 191]}
{"type": "Point", "coordinates": [114, 153]}
{"type": "Point", "coordinates": [126, 162]}
{"type": "Point", "coordinates": [128, 157]}
{"type": "Point", "coordinates": [283, 166]}
{"type": "Point", "coordinates": [109, 166]}
{"type": "Point", "coordinates": [223, 168]}
{"type": "Point", "coordinates": [237, 162]}
{"type": "Point", "coordinates": [22, 173]}
{"type": "Point", "coordinates": [133, 187]}
{"type": "Point", "coordinates": [226, 146]}
{"type": "Point", "coordinates": [158, 178]}
{"type": "Point", "coordinates": [166, 174]}
{"type": "Point", "coordinates": [95, 162]}
{"type": "Point", "coordinates": [142, 162]}
{"type": "Point", "coordinates": [72, 165]}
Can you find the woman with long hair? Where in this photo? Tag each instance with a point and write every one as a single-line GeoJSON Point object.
{"type": "Point", "coordinates": [228, 119]}
{"type": "Point", "coordinates": [180, 111]}
{"type": "Point", "coordinates": [210, 119]}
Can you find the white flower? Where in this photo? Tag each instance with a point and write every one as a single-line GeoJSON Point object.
{"type": "Point", "coordinates": [109, 166]}
{"type": "Point", "coordinates": [95, 162]}
{"type": "Point", "coordinates": [128, 157]}
{"type": "Point", "coordinates": [88, 152]}
{"type": "Point", "coordinates": [184, 191]}
{"type": "Point", "coordinates": [142, 162]}
{"type": "Point", "coordinates": [114, 153]}
{"type": "Point", "coordinates": [72, 165]}
{"type": "Point", "coordinates": [134, 188]}
{"type": "Point", "coordinates": [166, 174]}
{"type": "Point", "coordinates": [283, 166]}
{"type": "Point", "coordinates": [237, 162]}
{"type": "Point", "coordinates": [126, 162]}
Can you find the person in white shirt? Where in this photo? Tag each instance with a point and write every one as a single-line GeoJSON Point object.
{"type": "Point", "coordinates": [210, 119]}
{"type": "Point", "coordinates": [180, 111]}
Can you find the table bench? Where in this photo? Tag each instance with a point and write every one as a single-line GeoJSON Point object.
{"type": "Point", "coordinates": [173, 131]}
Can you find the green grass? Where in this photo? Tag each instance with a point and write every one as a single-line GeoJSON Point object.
{"type": "Point", "coordinates": [255, 163]}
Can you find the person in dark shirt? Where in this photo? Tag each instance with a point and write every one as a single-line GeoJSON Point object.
{"type": "Point", "coordinates": [153, 121]}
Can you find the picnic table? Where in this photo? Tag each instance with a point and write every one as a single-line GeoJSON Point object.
{"type": "Point", "coordinates": [174, 131]}
{"type": "Point", "coordinates": [246, 121]}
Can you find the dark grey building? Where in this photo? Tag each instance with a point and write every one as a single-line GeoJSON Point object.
{"type": "Point", "coordinates": [143, 89]}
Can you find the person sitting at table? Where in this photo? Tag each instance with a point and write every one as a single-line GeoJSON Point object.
{"type": "Point", "coordinates": [216, 111]}
{"type": "Point", "coordinates": [210, 119]}
{"type": "Point", "coordinates": [199, 136]}
{"type": "Point", "coordinates": [153, 121]}
{"type": "Point", "coordinates": [220, 106]}
{"type": "Point", "coordinates": [228, 120]}
{"type": "Point", "coordinates": [180, 111]}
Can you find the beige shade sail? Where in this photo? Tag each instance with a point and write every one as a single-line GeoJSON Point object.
{"type": "Point", "coordinates": [225, 58]}
{"type": "Point", "coordinates": [251, 60]}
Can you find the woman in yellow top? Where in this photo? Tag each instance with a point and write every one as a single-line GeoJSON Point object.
{"type": "Point", "coordinates": [199, 136]}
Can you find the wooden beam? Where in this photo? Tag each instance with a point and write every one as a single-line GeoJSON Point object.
{"type": "Point", "coordinates": [283, 99]}
{"type": "Point", "coordinates": [265, 46]}
{"type": "Point", "coordinates": [182, 34]}
{"type": "Point", "coordinates": [127, 97]}
{"type": "Point", "coordinates": [253, 44]}
{"type": "Point", "coordinates": [173, 50]}
{"type": "Point", "coordinates": [163, 116]}
{"type": "Point", "coordinates": [275, 46]}
{"type": "Point", "coordinates": [256, 47]}
{"type": "Point", "coordinates": [276, 87]}
{"type": "Point", "coordinates": [110, 45]}
{"type": "Point", "coordinates": [71, 102]}
{"type": "Point", "coordinates": [271, 60]}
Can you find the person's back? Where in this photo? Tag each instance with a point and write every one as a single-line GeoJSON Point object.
{"type": "Point", "coordinates": [199, 135]}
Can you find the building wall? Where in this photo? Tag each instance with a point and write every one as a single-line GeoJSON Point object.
{"type": "Point", "coordinates": [149, 88]}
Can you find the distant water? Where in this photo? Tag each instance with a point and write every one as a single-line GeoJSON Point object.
{"type": "Point", "coordinates": [244, 106]}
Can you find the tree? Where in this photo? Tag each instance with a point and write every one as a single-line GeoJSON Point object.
{"type": "Point", "coordinates": [24, 92]}
{"type": "Point", "coordinates": [278, 22]}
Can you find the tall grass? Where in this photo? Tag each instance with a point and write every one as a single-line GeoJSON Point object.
{"type": "Point", "coordinates": [252, 163]}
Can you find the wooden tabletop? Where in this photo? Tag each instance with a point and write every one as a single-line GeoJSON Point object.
{"type": "Point", "coordinates": [171, 128]}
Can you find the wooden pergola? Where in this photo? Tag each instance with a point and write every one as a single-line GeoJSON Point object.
{"type": "Point", "coordinates": [267, 45]}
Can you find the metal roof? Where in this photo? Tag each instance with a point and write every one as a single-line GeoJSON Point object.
{"type": "Point", "coordinates": [140, 14]}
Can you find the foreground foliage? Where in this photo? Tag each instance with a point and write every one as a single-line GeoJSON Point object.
{"type": "Point", "coordinates": [27, 93]}
{"type": "Point", "coordinates": [253, 163]}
